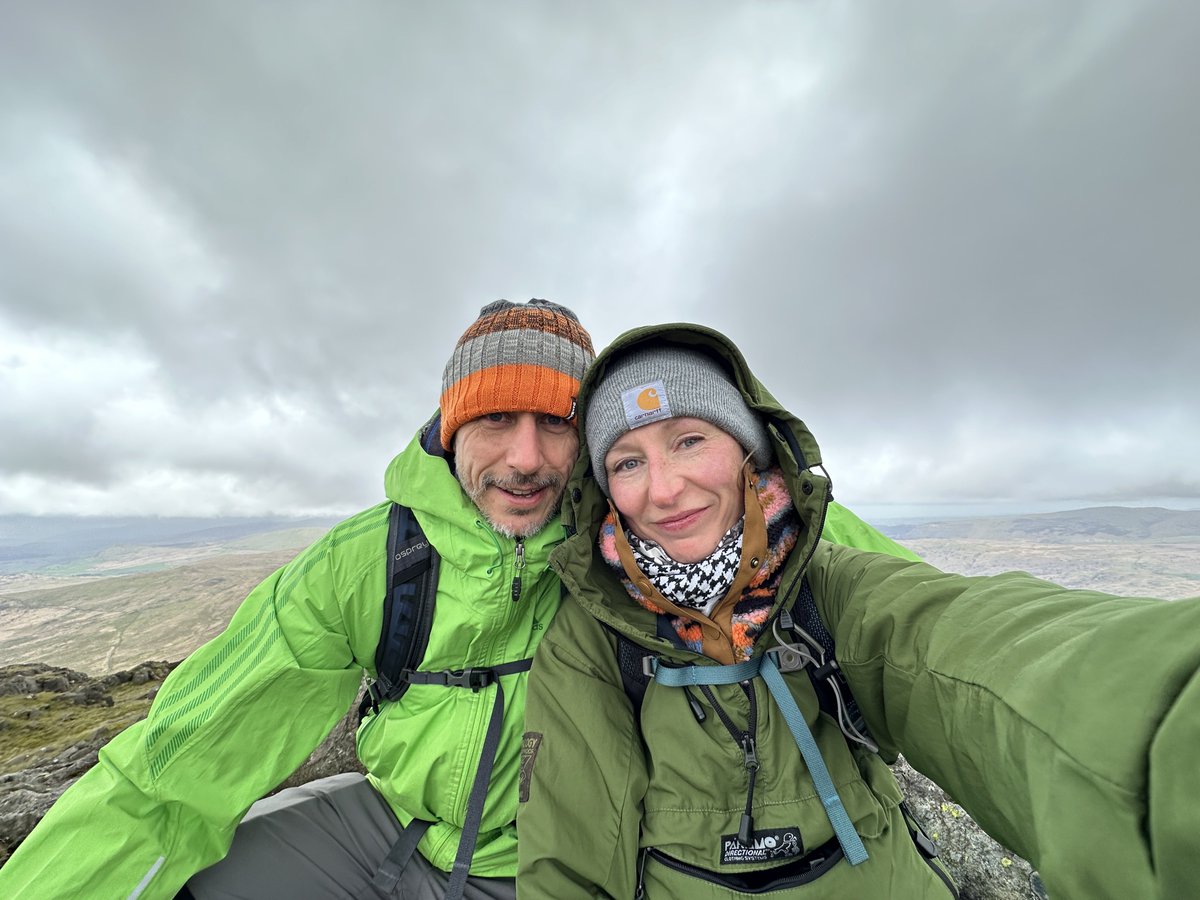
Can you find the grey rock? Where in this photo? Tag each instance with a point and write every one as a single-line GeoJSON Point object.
{"type": "Point", "coordinates": [982, 868]}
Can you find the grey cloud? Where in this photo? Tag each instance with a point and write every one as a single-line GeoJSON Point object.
{"type": "Point", "coordinates": [910, 219]}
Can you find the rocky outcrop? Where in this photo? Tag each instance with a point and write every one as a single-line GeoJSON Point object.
{"type": "Point", "coordinates": [983, 869]}
{"type": "Point", "coordinates": [33, 696]}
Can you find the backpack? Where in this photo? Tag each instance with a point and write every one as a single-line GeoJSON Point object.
{"type": "Point", "coordinates": [803, 623]}
{"type": "Point", "coordinates": [412, 579]}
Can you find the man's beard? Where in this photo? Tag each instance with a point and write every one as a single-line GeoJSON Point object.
{"type": "Point", "coordinates": [519, 483]}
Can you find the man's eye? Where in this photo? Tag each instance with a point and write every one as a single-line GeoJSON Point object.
{"type": "Point", "coordinates": [554, 421]}
{"type": "Point", "coordinates": [495, 417]}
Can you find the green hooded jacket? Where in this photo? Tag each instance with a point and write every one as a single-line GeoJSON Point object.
{"type": "Point", "coordinates": [1066, 722]}
{"type": "Point", "coordinates": [243, 711]}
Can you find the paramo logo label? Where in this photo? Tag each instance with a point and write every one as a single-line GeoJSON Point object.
{"type": "Point", "coordinates": [648, 399]}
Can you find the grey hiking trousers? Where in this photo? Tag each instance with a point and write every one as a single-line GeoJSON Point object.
{"type": "Point", "coordinates": [325, 840]}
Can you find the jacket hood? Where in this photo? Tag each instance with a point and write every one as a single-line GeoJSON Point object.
{"type": "Point", "coordinates": [422, 478]}
{"type": "Point", "coordinates": [585, 506]}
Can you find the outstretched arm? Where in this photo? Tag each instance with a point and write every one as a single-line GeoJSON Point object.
{"type": "Point", "coordinates": [1066, 722]}
{"type": "Point", "coordinates": [231, 722]}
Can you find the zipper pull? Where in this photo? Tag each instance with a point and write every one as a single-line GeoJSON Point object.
{"type": "Point", "coordinates": [697, 710]}
{"type": "Point", "coordinates": [750, 752]}
{"type": "Point", "coordinates": [746, 831]}
{"type": "Point", "coordinates": [520, 564]}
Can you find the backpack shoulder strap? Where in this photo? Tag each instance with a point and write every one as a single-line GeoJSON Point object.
{"type": "Point", "coordinates": [412, 577]}
{"type": "Point", "coordinates": [631, 660]}
{"type": "Point", "coordinates": [633, 679]}
{"type": "Point", "coordinates": [833, 690]}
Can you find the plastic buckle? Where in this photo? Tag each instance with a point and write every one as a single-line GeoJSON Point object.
{"type": "Point", "coordinates": [827, 671]}
{"type": "Point", "coordinates": [649, 666]}
{"type": "Point", "coordinates": [475, 679]}
{"type": "Point", "coordinates": [787, 659]}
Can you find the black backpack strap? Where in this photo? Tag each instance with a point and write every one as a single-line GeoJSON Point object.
{"type": "Point", "coordinates": [829, 681]}
{"type": "Point", "coordinates": [631, 660]}
{"type": "Point", "coordinates": [412, 576]}
{"type": "Point", "coordinates": [633, 679]}
{"type": "Point", "coordinates": [475, 679]}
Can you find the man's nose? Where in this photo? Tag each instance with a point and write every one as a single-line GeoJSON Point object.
{"type": "Point", "coordinates": [525, 453]}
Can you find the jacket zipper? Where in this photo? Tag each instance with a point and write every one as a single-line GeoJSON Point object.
{"type": "Point", "coordinates": [818, 867]}
{"type": "Point", "coordinates": [748, 741]}
{"type": "Point", "coordinates": [926, 848]}
{"type": "Point", "coordinates": [518, 566]}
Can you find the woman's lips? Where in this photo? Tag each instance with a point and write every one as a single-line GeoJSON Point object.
{"type": "Point", "coordinates": [681, 521]}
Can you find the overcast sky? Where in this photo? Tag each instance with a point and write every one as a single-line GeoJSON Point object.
{"type": "Point", "coordinates": [238, 240]}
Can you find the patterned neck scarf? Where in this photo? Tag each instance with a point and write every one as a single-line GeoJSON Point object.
{"type": "Point", "coordinates": [699, 585]}
{"type": "Point", "coordinates": [752, 609]}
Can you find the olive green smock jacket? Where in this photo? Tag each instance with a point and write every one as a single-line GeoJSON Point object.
{"type": "Point", "coordinates": [1066, 722]}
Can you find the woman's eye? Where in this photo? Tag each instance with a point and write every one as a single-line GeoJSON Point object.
{"type": "Point", "coordinates": [690, 441]}
{"type": "Point", "coordinates": [624, 465]}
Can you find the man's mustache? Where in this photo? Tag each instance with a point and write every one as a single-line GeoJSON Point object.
{"type": "Point", "coordinates": [522, 482]}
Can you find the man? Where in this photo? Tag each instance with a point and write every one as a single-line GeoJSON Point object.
{"type": "Point", "coordinates": [243, 711]}
{"type": "Point", "coordinates": [484, 479]}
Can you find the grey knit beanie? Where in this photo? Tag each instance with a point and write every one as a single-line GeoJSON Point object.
{"type": "Point", "coordinates": [662, 382]}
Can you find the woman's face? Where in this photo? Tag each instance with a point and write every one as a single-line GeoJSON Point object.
{"type": "Point", "coordinates": [678, 483]}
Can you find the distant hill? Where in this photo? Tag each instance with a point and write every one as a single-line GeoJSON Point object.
{"type": "Point", "coordinates": [1102, 523]}
{"type": "Point", "coordinates": [75, 545]}
{"type": "Point", "coordinates": [1146, 551]}
{"type": "Point", "coordinates": [101, 595]}
{"type": "Point", "coordinates": [107, 594]}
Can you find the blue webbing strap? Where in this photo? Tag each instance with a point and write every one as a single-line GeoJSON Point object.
{"type": "Point", "coordinates": [689, 676]}
{"type": "Point", "coordinates": [852, 844]}
{"type": "Point", "coordinates": [764, 665]}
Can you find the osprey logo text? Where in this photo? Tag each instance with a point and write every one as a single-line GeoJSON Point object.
{"type": "Point", "coordinates": [769, 844]}
{"type": "Point", "coordinates": [408, 551]}
{"type": "Point", "coordinates": [646, 403]}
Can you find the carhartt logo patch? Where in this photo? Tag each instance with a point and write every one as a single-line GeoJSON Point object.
{"type": "Point", "coordinates": [772, 843]}
{"type": "Point", "coordinates": [530, 744]}
{"type": "Point", "coordinates": [646, 403]}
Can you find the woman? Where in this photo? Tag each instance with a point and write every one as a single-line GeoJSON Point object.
{"type": "Point", "coordinates": [695, 514]}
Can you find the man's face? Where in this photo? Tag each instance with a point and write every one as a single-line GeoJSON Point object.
{"type": "Point", "coordinates": [514, 467]}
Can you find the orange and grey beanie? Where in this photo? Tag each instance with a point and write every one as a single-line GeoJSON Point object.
{"type": "Point", "coordinates": [516, 357]}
